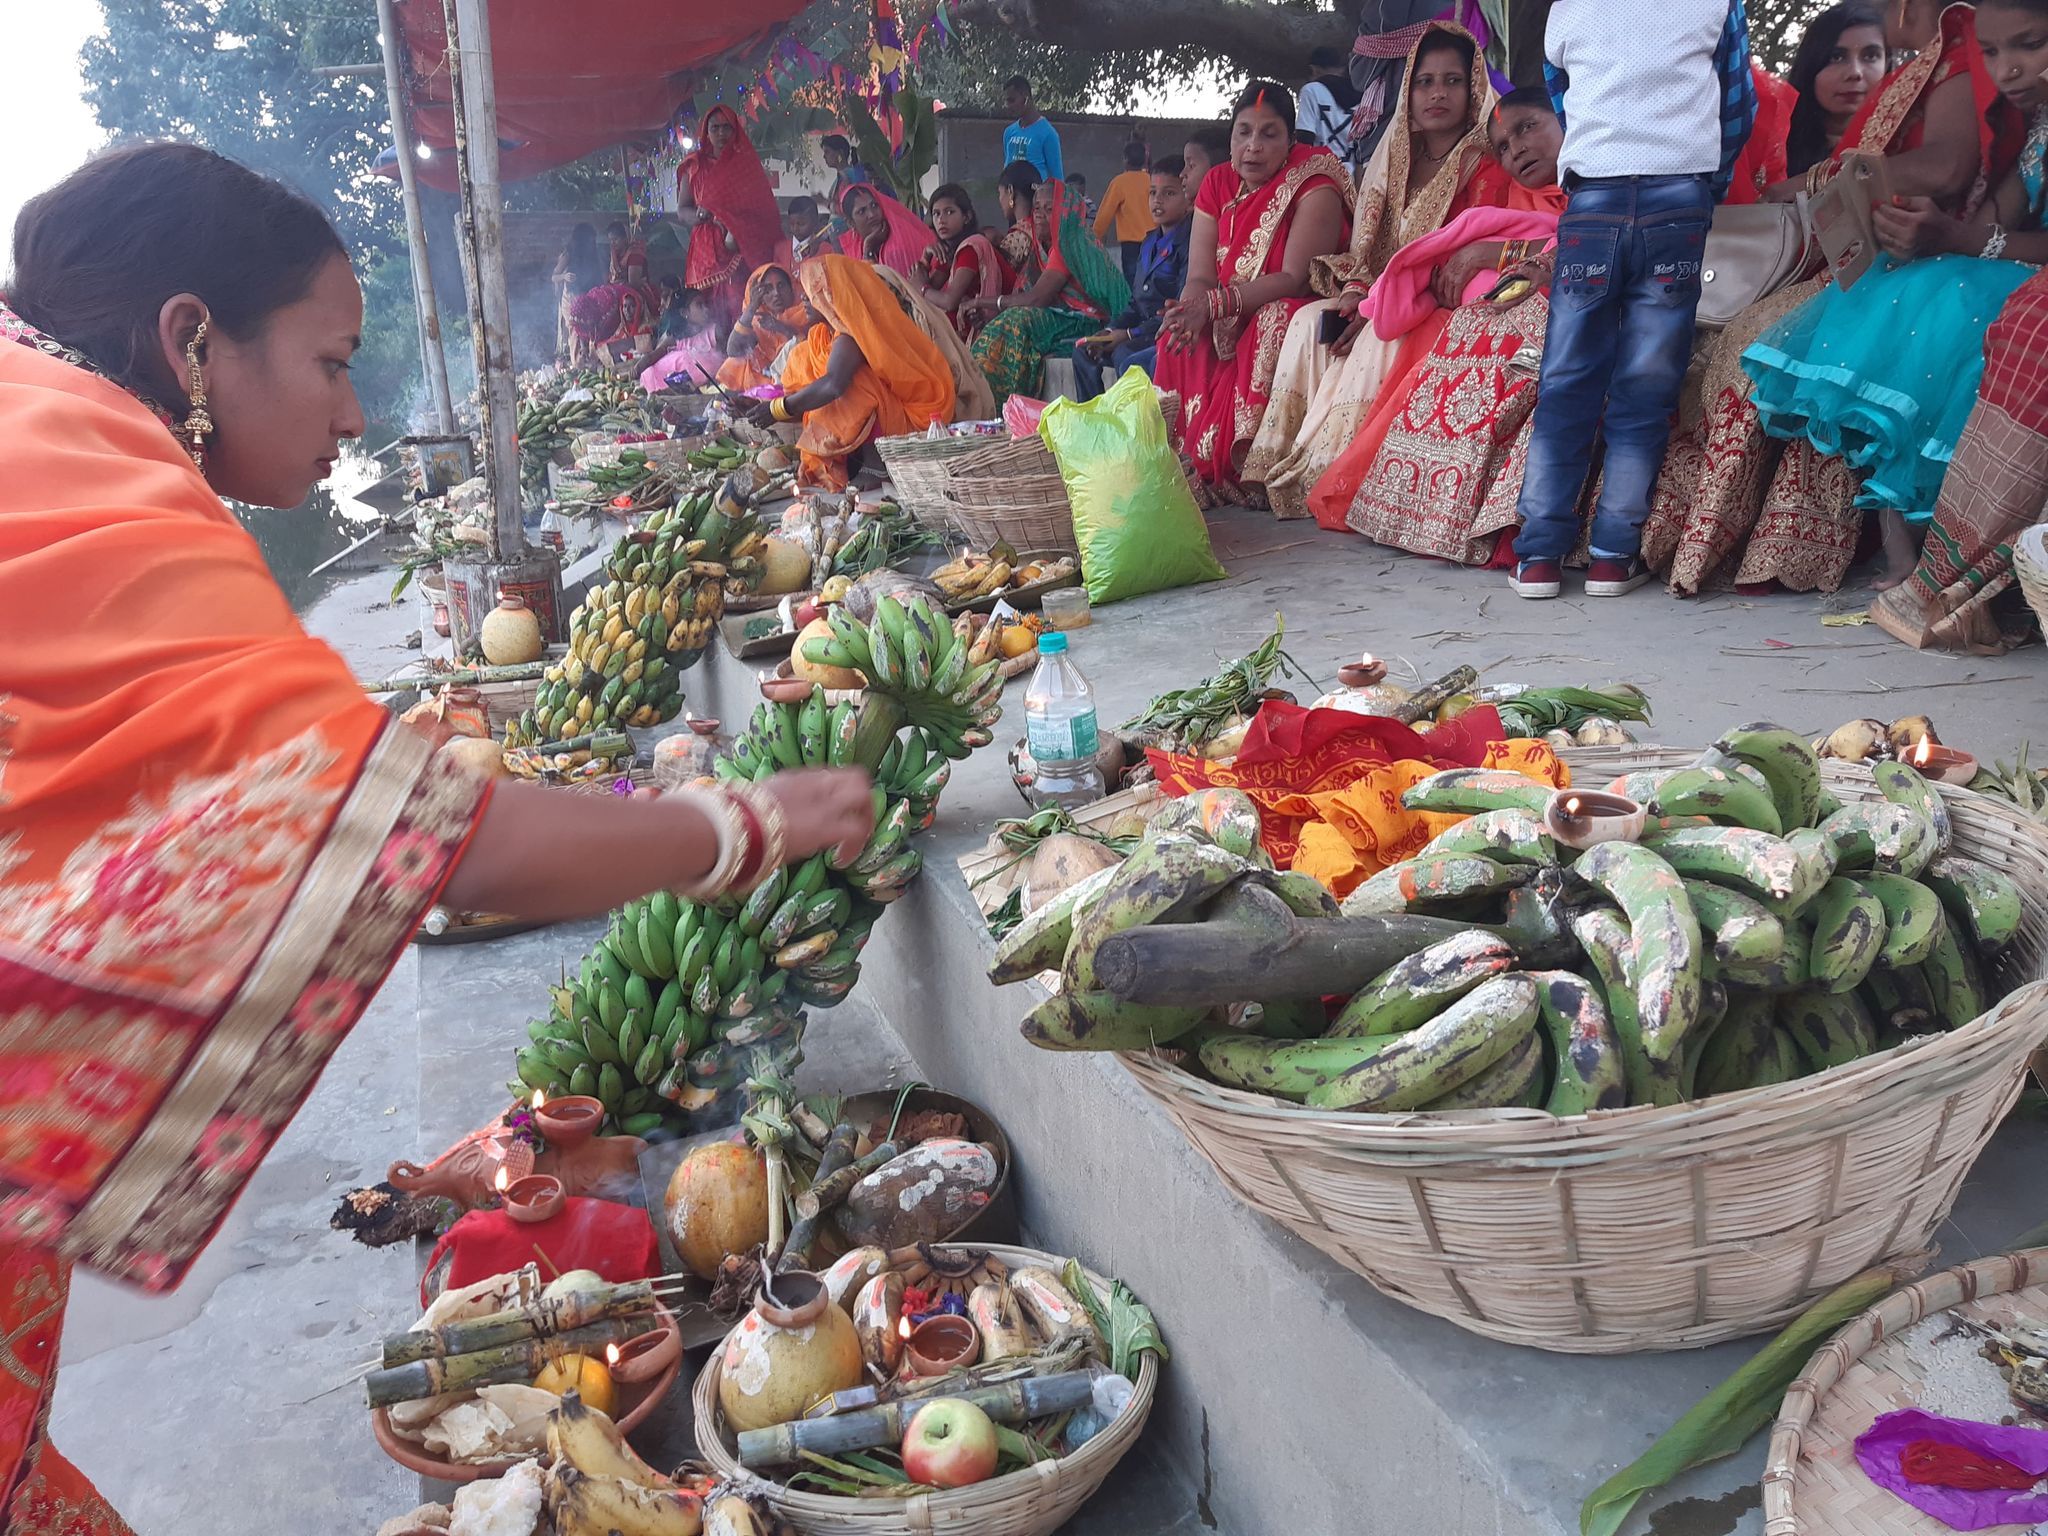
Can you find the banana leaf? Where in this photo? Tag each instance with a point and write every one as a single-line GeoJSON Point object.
{"type": "Point", "coordinates": [1126, 1324]}
{"type": "Point", "coordinates": [1721, 1423]}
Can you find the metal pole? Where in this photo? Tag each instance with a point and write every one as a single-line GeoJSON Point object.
{"type": "Point", "coordinates": [432, 358]}
{"type": "Point", "coordinates": [490, 312]}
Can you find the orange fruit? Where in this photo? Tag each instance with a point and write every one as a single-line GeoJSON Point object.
{"type": "Point", "coordinates": [582, 1374]}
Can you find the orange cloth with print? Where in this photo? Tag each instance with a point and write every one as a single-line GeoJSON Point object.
{"type": "Point", "coordinates": [1328, 783]}
{"type": "Point", "coordinates": [212, 849]}
{"type": "Point", "coordinates": [904, 385]}
{"type": "Point", "coordinates": [770, 333]}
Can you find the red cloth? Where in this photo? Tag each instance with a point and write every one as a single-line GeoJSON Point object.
{"type": "Point", "coordinates": [615, 1240]}
{"type": "Point", "coordinates": [1762, 163]}
{"type": "Point", "coordinates": [1958, 1466]}
{"type": "Point", "coordinates": [734, 189]}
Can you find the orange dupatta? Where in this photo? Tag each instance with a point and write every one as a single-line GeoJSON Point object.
{"type": "Point", "coordinates": [904, 386]}
{"type": "Point", "coordinates": [752, 370]}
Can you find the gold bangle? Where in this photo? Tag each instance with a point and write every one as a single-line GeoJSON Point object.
{"type": "Point", "coordinates": [779, 408]}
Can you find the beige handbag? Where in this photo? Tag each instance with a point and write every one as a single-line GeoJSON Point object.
{"type": "Point", "coordinates": [1752, 251]}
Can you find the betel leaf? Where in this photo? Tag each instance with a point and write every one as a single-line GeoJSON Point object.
{"type": "Point", "coordinates": [1126, 1324]}
{"type": "Point", "coordinates": [1720, 1423]}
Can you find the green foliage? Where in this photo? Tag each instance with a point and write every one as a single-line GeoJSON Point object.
{"type": "Point", "coordinates": [907, 168]}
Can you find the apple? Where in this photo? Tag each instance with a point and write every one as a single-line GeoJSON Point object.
{"type": "Point", "coordinates": [950, 1443]}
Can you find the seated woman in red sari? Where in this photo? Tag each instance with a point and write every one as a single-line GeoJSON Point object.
{"type": "Point", "coordinates": [1079, 286]}
{"type": "Point", "coordinates": [769, 321]}
{"type": "Point", "coordinates": [724, 197]}
{"type": "Point", "coordinates": [1735, 506]}
{"type": "Point", "coordinates": [962, 264]}
{"type": "Point", "coordinates": [215, 845]}
{"type": "Point", "coordinates": [1260, 222]}
{"type": "Point", "coordinates": [1437, 467]}
{"type": "Point", "coordinates": [882, 230]}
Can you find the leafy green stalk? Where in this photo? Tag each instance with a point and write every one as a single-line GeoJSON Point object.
{"type": "Point", "coordinates": [1125, 1323]}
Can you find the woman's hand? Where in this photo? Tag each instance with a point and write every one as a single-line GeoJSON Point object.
{"type": "Point", "coordinates": [1913, 226]}
{"type": "Point", "coordinates": [754, 411]}
{"type": "Point", "coordinates": [1449, 281]}
{"type": "Point", "coordinates": [1348, 303]}
{"type": "Point", "coordinates": [1184, 317]}
{"type": "Point", "coordinates": [980, 307]}
{"type": "Point", "coordinates": [1536, 272]}
{"type": "Point", "coordinates": [824, 808]}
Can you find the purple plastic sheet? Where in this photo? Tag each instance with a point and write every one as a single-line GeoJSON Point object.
{"type": "Point", "coordinates": [1882, 1447]}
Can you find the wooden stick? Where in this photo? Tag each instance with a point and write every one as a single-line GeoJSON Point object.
{"type": "Point", "coordinates": [1011, 1402]}
{"type": "Point", "coordinates": [832, 1189]}
{"type": "Point", "coordinates": [796, 1252]}
{"type": "Point", "coordinates": [1200, 964]}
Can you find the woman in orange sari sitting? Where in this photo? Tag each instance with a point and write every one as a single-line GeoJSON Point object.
{"type": "Point", "coordinates": [769, 321]}
{"type": "Point", "coordinates": [213, 846]}
{"type": "Point", "coordinates": [866, 370]}
{"type": "Point", "coordinates": [1261, 220]}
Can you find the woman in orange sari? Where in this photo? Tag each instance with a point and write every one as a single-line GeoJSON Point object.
{"type": "Point", "coordinates": [1433, 165]}
{"type": "Point", "coordinates": [1261, 220]}
{"type": "Point", "coordinates": [213, 846]}
{"type": "Point", "coordinates": [771, 319]}
{"type": "Point", "coordinates": [724, 195]}
{"type": "Point", "coordinates": [866, 370]}
{"type": "Point", "coordinates": [1733, 505]}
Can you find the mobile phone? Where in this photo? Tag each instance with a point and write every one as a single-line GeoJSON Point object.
{"type": "Point", "coordinates": [1334, 324]}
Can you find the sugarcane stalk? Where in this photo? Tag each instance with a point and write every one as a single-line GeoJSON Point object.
{"type": "Point", "coordinates": [838, 1153]}
{"type": "Point", "coordinates": [596, 743]}
{"type": "Point", "coordinates": [827, 1192]}
{"type": "Point", "coordinates": [1424, 702]}
{"type": "Point", "coordinates": [549, 1316]}
{"type": "Point", "coordinates": [517, 672]}
{"type": "Point", "coordinates": [518, 1361]}
{"type": "Point", "coordinates": [1010, 1402]}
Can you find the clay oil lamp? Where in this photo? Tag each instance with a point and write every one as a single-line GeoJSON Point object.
{"type": "Point", "coordinates": [1581, 818]}
{"type": "Point", "coordinates": [533, 1198]}
{"type": "Point", "coordinates": [1366, 672]}
{"type": "Point", "coordinates": [567, 1122]}
{"type": "Point", "coordinates": [644, 1356]}
{"type": "Point", "coordinates": [939, 1344]}
{"type": "Point", "coordinates": [1945, 765]}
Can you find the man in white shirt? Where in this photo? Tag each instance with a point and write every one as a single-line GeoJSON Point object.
{"type": "Point", "coordinates": [1655, 116]}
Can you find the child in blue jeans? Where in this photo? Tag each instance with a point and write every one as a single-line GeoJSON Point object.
{"type": "Point", "coordinates": [1655, 117]}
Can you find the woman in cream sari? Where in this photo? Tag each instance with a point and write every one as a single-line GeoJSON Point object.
{"type": "Point", "coordinates": [1432, 166]}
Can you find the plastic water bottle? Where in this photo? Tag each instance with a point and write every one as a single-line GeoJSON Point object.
{"type": "Point", "coordinates": [1059, 729]}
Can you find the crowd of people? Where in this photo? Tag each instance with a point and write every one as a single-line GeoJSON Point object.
{"type": "Point", "coordinates": [1462, 318]}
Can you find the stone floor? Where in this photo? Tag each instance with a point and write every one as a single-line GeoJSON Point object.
{"type": "Point", "coordinates": [223, 1408]}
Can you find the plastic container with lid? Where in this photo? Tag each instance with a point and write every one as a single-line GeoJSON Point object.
{"type": "Point", "coordinates": [1066, 608]}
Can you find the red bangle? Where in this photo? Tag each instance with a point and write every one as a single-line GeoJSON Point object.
{"type": "Point", "coordinates": [750, 869]}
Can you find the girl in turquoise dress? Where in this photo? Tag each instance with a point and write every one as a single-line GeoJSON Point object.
{"type": "Point", "coordinates": [1884, 373]}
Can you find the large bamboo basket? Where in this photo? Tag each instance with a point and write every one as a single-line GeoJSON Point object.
{"type": "Point", "coordinates": [1647, 1228]}
{"type": "Point", "coordinates": [1033, 1502]}
{"type": "Point", "coordinates": [1813, 1485]}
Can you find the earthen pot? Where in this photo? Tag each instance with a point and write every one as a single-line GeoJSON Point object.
{"type": "Point", "coordinates": [792, 1349]}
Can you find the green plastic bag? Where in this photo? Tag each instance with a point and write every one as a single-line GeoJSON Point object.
{"type": "Point", "coordinates": [1134, 517]}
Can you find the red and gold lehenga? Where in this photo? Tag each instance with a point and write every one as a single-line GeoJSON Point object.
{"type": "Point", "coordinates": [1735, 505]}
{"type": "Point", "coordinates": [1225, 379]}
{"type": "Point", "coordinates": [212, 849]}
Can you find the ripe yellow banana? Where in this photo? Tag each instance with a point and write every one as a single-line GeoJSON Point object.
{"type": "Point", "coordinates": [583, 1505]}
{"type": "Point", "coordinates": [730, 1515]}
{"type": "Point", "coordinates": [591, 1443]}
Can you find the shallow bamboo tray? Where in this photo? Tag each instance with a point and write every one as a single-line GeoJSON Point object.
{"type": "Point", "coordinates": [1647, 1228]}
{"type": "Point", "coordinates": [1035, 1501]}
{"type": "Point", "coordinates": [1813, 1484]}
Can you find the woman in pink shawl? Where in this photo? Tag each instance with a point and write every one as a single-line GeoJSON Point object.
{"type": "Point", "coordinates": [884, 231]}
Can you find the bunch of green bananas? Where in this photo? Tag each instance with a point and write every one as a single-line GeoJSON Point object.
{"type": "Point", "coordinates": [634, 635]}
{"type": "Point", "coordinates": [911, 652]}
{"type": "Point", "coordinates": [724, 455]}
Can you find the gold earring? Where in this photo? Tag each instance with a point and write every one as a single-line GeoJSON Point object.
{"type": "Point", "coordinates": [198, 424]}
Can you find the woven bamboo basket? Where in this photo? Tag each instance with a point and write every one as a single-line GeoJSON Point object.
{"type": "Point", "coordinates": [917, 469]}
{"type": "Point", "coordinates": [2030, 565]}
{"type": "Point", "coordinates": [1011, 491]}
{"type": "Point", "coordinates": [1812, 1483]}
{"type": "Point", "coordinates": [1033, 1502]}
{"type": "Point", "coordinates": [1647, 1228]}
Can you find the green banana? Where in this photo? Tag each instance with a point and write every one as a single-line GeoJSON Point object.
{"type": "Point", "coordinates": [1787, 973]}
{"type": "Point", "coordinates": [1980, 898]}
{"type": "Point", "coordinates": [611, 1086]}
{"type": "Point", "coordinates": [1743, 1047]}
{"type": "Point", "coordinates": [1901, 1003]}
{"type": "Point", "coordinates": [1285, 1068]}
{"type": "Point", "coordinates": [1787, 763]}
{"type": "Point", "coordinates": [1507, 837]}
{"type": "Point", "coordinates": [1755, 862]}
{"type": "Point", "coordinates": [1718, 796]}
{"type": "Point", "coordinates": [1831, 1029]}
{"type": "Point", "coordinates": [1101, 1021]}
{"type": "Point", "coordinates": [1955, 981]}
{"type": "Point", "coordinates": [1450, 1050]}
{"type": "Point", "coordinates": [1848, 934]}
{"type": "Point", "coordinates": [1414, 990]}
{"type": "Point", "coordinates": [1039, 942]}
{"type": "Point", "coordinates": [632, 1039]}
{"type": "Point", "coordinates": [1418, 883]}
{"type": "Point", "coordinates": [1305, 895]}
{"type": "Point", "coordinates": [611, 1009]}
{"type": "Point", "coordinates": [600, 1043]}
{"type": "Point", "coordinates": [1902, 784]}
{"type": "Point", "coordinates": [583, 1081]}
{"type": "Point", "coordinates": [638, 997]}
{"type": "Point", "coordinates": [1913, 919]}
{"type": "Point", "coordinates": [761, 903]}
{"type": "Point", "coordinates": [1587, 1068]}
{"type": "Point", "coordinates": [1667, 941]}
{"type": "Point", "coordinates": [1892, 839]}
{"type": "Point", "coordinates": [624, 938]}
{"type": "Point", "coordinates": [1161, 882]}
{"type": "Point", "coordinates": [1817, 861]}
{"type": "Point", "coordinates": [1472, 790]}
{"type": "Point", "coordinates": [1745, 931]}
{"type": "Point", "coordinates": [1607, 943]}
{"type": "Point", "coordinates": [535, 1070]}
{"type": "Point", "coordinates": [1513, 1082]}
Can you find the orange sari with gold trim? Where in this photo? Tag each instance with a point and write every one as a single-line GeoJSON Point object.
{"type": "Point", "coordinates": [212, 849]}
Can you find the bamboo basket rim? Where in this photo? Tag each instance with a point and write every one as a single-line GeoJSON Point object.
{"type": "Point", "coordinates": [1075, 1476]}
{"type": "Point", "coordinates": [2030, 566]}
{"type": "Point", "coordinates": [1978, 1280]}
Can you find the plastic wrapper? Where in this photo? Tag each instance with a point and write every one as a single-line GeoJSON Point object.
{"type": "Point", "coordinates": [500, 1506]}
{"type": "Point", "coordinates": [1021, 414]}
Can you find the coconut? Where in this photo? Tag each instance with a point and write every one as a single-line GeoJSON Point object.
{"type": "Point", "coordinates": [817, 672]}
{"type": "Point", "coordinates": [785, 567]}
{"type": "Point", "coordinates": [478, 754]}
{"type": "Point", "coordinates": [717, 1204]}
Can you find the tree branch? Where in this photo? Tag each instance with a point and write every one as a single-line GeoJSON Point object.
{"type": "Point", "coordinates": [1260, 37]}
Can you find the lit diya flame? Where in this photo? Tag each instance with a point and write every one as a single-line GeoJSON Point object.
{"type": "Point", "coordinates": [1924, 753]}
{"type": "Point", "coordinates": [1572, 805]}
{"type": "Point", "coordinates": [903, 1326]}
{"type": "Point", "coordinates": [540, 1099]}
{"type": "Point", "coordinates": [611, 1356]}
{"type": "Point", "coordinates": [503, 1179]}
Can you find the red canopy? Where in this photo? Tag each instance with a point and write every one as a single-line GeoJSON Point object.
{"type": "Point", "coordinates": [574, 78]}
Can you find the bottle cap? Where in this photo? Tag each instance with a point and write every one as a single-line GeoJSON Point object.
{"type": "Point", "coordinates": [1052, 643]}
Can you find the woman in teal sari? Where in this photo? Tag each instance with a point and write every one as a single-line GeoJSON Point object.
{"type": "Point", "coordinates": [1884, 373]}
{"type": "Point", "coordinates": [1081, 286]}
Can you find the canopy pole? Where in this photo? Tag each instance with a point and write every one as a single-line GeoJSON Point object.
{"type": "Point", "coordinates": [432, 358]}
{"type": "Point", "coordinates": [490, 313]}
